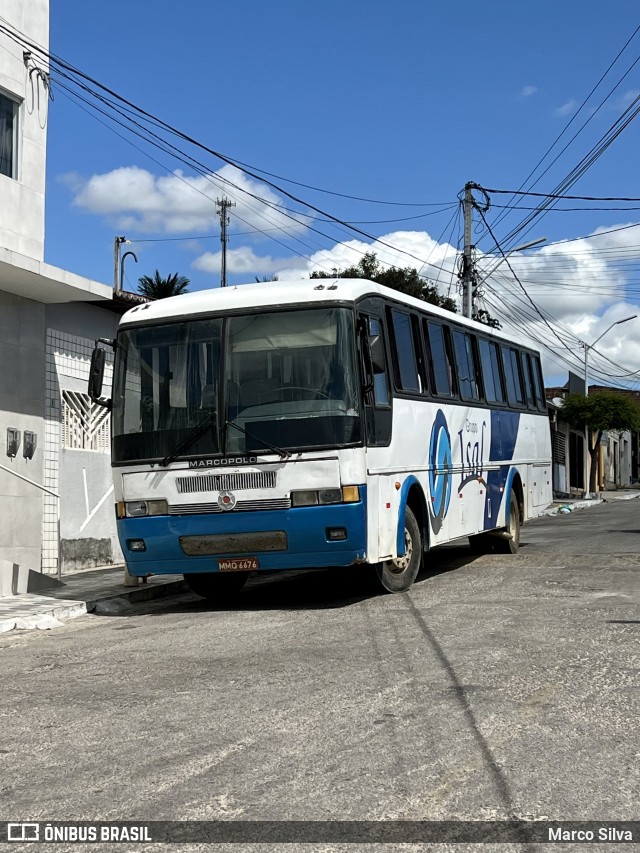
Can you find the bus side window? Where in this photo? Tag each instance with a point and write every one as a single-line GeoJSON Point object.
{"type": "Point", "coordinates": [466, 364]}
{"type": "Point", "coordinates": [405, 365]}
{"type": "Point", "coordinates": [380, 387]}
{"type": "Point", "coordinates": [538, 384]}
{"type": "Point", "coordinates": [440, 361]}
{"type": "Point", "coordinates": [511, 363]}
{"type": "Point", "coordinates": [420, 354]}
{"type": "Point", "coordinates": [528, 381]}
{"type": "Point", "coordinates": [491, 373]}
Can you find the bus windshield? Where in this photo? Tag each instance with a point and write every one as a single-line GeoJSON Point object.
{"type": "Point", "coordinates": [284, 378]}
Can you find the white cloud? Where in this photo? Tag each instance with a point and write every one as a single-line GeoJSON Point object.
{"type": "Point", "coordinates": [566, 109]}
{"type": "Point", "coordinates": [399, 248]}
{"type": "Point", "coordinates": [243, 261]}
{"type": "Point", "coordinates": [625, 100]}
{"type": "Point", "coordinates": [582, 288]}
{"type": "Point", "coordinates": [528, 91]}
{"type": "Point", "coordinates": [135, 199]}
{"type": "Point", "coordinates": [581, 285]}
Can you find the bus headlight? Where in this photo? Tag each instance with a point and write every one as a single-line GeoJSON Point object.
{"type": "Point", "coordinates": [139, 509]}
{"type": "Point", "coordinates": [314, 497]}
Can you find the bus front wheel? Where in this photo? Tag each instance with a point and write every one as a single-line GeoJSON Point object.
{"type": "Point", "coordinates": [215, 586]}
{"type": "Point", "coordinates": [399, 574]}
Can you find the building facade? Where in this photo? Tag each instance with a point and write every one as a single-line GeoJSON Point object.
{"type": "Point", "coordinates": [55, 512]}
{"type": "Point", "coordinates": [617, 466]}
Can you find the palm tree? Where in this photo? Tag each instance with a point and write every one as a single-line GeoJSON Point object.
{"type": "Point", "coordinates": [159, 288]}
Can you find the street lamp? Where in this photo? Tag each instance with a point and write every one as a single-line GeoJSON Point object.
{"type": "Point", "coordinates": [126, 255]}
{"type": "Point", "coordinates": [587, 347]}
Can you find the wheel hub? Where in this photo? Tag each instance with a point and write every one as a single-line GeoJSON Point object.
{"type": "Point", "coordinates": [401, 564]}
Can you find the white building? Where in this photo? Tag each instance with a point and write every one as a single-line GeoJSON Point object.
{"type": "Point", "coordinates": [55, 481]}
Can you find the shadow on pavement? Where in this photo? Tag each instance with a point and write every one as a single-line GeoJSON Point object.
{"type": "Point", "coordinates": [310, 589]}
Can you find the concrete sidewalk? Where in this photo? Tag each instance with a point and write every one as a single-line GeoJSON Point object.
{"type": "Point", "coordinates": [94, 590]}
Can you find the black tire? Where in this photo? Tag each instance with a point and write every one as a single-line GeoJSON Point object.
{"type": "Point", "coordinates": [398, 575]}
{"type": "Point", "coordinates": [216, 586]}
{"type": "Point", "coordinates": [510, 546]}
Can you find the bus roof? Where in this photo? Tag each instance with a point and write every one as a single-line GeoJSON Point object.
{"type": "Point", "coordinates": [278, 294]}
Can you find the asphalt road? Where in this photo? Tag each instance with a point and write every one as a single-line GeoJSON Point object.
{"type": "Point", "coordinates": [498, 687]}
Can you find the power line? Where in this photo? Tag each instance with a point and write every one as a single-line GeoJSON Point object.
{"type": "Point", "coordinates": [553, 195]}
{"type": "Point", "coordinates": [130, 107]}
{"type": "Point", "coordinates": [574, 117]}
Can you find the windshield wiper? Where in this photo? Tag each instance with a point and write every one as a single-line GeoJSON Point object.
{"type": "Point", "coordinates": [283, 454]}
{"type": "Point", "coordinates": [191, 437]}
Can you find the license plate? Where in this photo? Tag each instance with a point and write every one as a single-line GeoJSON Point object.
{"type": "Point", "coordinates": [238, 564]}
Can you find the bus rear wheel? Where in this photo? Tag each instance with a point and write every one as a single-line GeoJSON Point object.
{"type": "Point", "coordinates": [399, 574]}
{"type": "Point", "coordinates": [510, 545]}
{"type": "Point", "coordinates": [215, 586]}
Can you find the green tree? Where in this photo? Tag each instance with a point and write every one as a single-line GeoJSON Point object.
{"type": "Point", "coordinates": [160, 288]}
{"type": "Point", "coordinates": [600, 412]}
{"type": "Point", "coordinates": [406, 280]}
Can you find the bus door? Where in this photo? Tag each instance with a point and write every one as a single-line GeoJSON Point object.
{"type": "Point", "coordinates": [378, 414]}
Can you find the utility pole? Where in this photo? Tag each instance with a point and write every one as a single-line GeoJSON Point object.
{"type": "Point", "coordinates": [116, 262]}
{"type": "Point", "coordinates": [223, 205]}
{"type": "Point", "coordinates": [467, 273]}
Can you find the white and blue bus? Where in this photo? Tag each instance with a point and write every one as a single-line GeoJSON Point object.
{"type": "Point", "coordinates": [317, 423]}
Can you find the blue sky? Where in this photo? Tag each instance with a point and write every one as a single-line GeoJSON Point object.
{"type": "Point", "coordinates": [399, 102]}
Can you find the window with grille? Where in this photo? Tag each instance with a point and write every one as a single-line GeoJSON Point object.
{"type": "Point", "coordinates": [85, 425]}
{"type": "Point", "coordinates": [559, 447]}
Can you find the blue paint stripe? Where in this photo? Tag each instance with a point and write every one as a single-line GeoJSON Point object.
{"type": "Point", "coordinates": [305, 527]}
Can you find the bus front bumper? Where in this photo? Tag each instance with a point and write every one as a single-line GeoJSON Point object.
{"type": "Point", "coordinates": [307, 543]}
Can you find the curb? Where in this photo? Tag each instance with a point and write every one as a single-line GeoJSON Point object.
{"type": "Point", "coordinates": [46, 619]}
{"type": "Point", "coordinates": [573, 507]}
{"type": "Point", "coordinates": [144, 592]}
{"type": "Point", "coordinates": [586, 504]}
{"type": "Point", "coordinates": [112, 603]}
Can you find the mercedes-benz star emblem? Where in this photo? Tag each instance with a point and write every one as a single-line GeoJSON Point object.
{"type": "Point", "coordinates": [226, 500]}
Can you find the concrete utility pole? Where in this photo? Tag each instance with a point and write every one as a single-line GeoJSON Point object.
{"type": "Point", "coordinates": [116, 262]}
{"type": "Point", "coordinates": [467, 272]}
{"type": "Point", "coordinates": [223, 205]}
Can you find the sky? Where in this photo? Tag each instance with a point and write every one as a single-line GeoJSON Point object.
{"type": "Point", "coordinates": [389, 109]}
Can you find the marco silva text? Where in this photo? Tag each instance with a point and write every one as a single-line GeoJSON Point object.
{"type": "Point", "coordinates": [602, 833]}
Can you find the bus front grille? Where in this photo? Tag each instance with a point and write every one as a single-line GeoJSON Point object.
{"type": "Point", "coordinates": [241, 506]}
{"type": "Point", "coordinates": [226, 482]}
{"type": "Point", "coordinates": [234, 543]}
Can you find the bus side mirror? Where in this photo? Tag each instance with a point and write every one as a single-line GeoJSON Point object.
{"type": "Point", "coordinates": [96, 373]}
{"type": "Point", "coordinates": [376, 348]}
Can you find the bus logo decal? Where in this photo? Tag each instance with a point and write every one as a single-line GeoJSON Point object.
{"type": "Point", "coordinates": [226, 500]}
{"type": "Point", "coordinates": [472, 455]}
{"type": "Point", "coordinates": [223, 462]}
{"type": "Point", "coordinates": [440, 475]}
